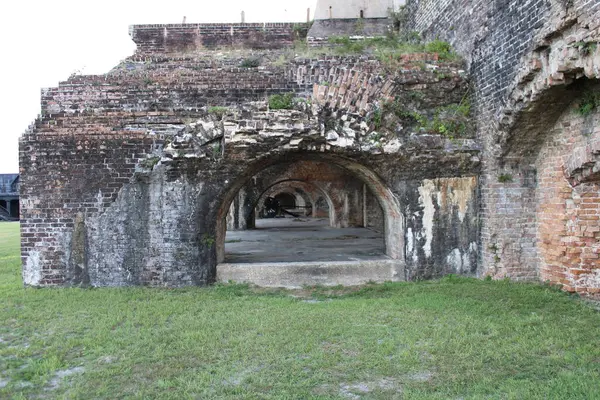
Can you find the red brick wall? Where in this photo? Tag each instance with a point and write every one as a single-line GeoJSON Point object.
{"type": "Point", "coordinates": [568, 208]}
{"type": "Point", "coordinates": [176, 38]}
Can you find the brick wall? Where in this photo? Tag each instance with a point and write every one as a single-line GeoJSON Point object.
{"type": "Point", "coordinates": [525, 68]}
{"type": "Point", "coordinates": [568, 204]}
{"type": "Point", "coordinates": [492, 35]}
{"type": "Point", "coordinates": [125, 175]}
{"type": "Point", "coordinates": [58, 183]}
{"type": "Point", "coordinates": [183, 38]}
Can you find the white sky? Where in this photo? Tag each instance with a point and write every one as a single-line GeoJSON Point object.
{"type": "Point", "coordinates": [45, 41]}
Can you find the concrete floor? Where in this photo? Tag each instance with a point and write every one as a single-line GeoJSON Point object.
{"type": "Point", "coordinates": [304, 239]}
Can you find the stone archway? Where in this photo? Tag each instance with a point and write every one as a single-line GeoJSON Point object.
{"type": "Point", "coordinates": [541, 187]}
{"type": "Point", "coordinates": [393, 235]}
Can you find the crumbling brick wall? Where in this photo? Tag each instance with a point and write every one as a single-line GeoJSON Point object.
{"type": "Point", "coordinates": [165, 39]}
{"type": "Point", "coordinates": [568, 203]}
{"type": "Point", "coordinates": [528, 62]}
{"type": "Point", "coordinates": [128, 177]}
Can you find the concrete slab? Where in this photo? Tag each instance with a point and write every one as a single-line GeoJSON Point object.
{"type": "Point", "coordinates": [299, 274]}
{"type": "Point", "coordinates": [302, 240]}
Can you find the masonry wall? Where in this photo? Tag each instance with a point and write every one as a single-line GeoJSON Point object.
{"type": "Point", "coordinates": [165, 39]}
{"type": "Point", "coordinates": [127, 177]}
{"type": "Point", "coordinates": [516, 51]}
{"type": "Point", "coordinates": [492, 35]}
{"type": "Point", "coordinates": [65, 175]}
{"type": "Point", "coordinates": [568, 203]}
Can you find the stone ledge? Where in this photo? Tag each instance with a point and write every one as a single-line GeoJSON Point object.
{"type": "Point", "coordinates": [298, 274]}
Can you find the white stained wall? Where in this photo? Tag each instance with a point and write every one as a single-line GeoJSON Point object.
{"type": "Point", "coordinates": [342, 9]}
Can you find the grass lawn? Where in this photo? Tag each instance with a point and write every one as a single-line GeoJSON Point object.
{"type": "Point", "coordinates": [451, 339]}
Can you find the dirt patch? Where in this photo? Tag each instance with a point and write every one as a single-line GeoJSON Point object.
{"type": "Point", "coordinates": [424, 376]}
{"type": "Point", "coordinates": [60, 375]}
{"type": "Point", "coordinates": [356, 390]}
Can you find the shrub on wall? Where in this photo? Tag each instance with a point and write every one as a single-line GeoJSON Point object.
{"type": "Point", "coordinates": [589, 102]}
{"type": "Point", "coordinates": [250, 63]}
{"type": "Point", "coordinates": [281, 101]}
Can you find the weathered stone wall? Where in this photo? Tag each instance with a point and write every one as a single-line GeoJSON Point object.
{"type": "Point", "coordinates": [528, 62]}
{"type": "Point", "coordinates": [373, 213]}
{"type": "Point", "coordinates": [492, 35]}
{"type": "Point", "coordinates": [63, 175]}
{"type": "Point", "coordinates": [442, 215]}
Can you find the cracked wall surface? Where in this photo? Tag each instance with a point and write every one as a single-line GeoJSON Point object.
{"type": "Point", "coordinates": [128, 177]}
{"type": "Point", "coordinates": [531, 64]}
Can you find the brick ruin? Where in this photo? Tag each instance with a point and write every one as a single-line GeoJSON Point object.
{"type": "Point", "coordinates": [135, 176]}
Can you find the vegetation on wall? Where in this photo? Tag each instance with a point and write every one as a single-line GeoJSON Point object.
{"type": "Point", "coordinates": [452, 120]}
{"type": "Point", "coordinates": [281, 101]}
{"type": "Point", "coordinates": [250, 63]}
{"type": "Point", "coordinates": [586, 48]}
{"type": "Point", "coordinates": [589, 102]}
{"type": "Point", "coordinates": [392, 46]}
{"type": "Point", "coordinates": [301, 30]}
{"type": "Point", "coordinates": [505, 178]}
{"type": "Point", "coordinates": [150, 163]}
{"type": "Point", "coordinates": [219, 111]}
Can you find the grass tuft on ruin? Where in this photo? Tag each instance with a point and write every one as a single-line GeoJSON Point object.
{"type": "Point", "coordinates": [392, 46]}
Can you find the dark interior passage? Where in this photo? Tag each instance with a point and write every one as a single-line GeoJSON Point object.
{"type": "Point", "coordinates": [286, 200]}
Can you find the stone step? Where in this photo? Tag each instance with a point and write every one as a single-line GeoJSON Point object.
{"type": "Point", "coordinates": [294, 275]}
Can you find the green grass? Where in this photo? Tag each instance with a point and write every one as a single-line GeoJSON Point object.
{"type": "Point", "coordinates": [450, 339]}
{"type": "Point", "coordinates": [392, 47]}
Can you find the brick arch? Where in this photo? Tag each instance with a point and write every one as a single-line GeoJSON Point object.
{"type": "Point", "coordinates": [529, 170]}
{"type": "Point", "coordinates": [550, 79]}
{"type": "Point", "coordinates": [394, 220]}
{"type": "Point", "coordinates": [555, 153]}
{"type": "Point", "coordinates": [567, 198]}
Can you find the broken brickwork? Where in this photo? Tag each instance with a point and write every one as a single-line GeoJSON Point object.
{"type": "Point", "coordinates": [128, 177]}
{"type": "Point", "coordinates": [532, 64]}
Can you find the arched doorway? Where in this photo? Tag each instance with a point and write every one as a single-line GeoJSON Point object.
{"type": "Point", "coordinates": [344, 183]}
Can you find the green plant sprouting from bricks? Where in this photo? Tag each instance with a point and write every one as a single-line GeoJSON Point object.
{"type": "Point", "coordinates": [218, 111]}
{"type": "Point", "coordinates": [281, 101]}
{"type": "Point", "coordinates": [250, 63]}
{"type": "Point", "coordinates": [590, 101]}
{"type": "Point", "coordinates": [207, 240]}
{"type": "Point", "coordinates": [390, 47]}
{"type": "Point", "coordinates": [586, 48]}
{"type": "Point", "coordinates": [217, 151]}
{"type": "Point", "coordinates": [150, 163]}
{"type": "Point", "coordinates": [377, 118]}
{"type": "Point", "coordinates": [452, 121]}
{"type": "Point", "coordinates": [505, 178]}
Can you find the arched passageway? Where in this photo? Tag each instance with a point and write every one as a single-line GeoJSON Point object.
{"type": "Point", "coordinates": [338, 186]}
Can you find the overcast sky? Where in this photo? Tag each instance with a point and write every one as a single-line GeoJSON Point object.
{"type": "Point", "coordinates": [45, 41]}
